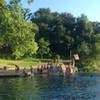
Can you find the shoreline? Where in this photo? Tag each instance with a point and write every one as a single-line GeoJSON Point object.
{"type": "Point", "coordinates": [49, 69]}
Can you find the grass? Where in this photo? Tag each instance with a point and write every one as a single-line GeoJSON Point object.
{"type": "Point", "coordinates": [22, 63]}
{"type": "Point", "coordinates": [26, 62]}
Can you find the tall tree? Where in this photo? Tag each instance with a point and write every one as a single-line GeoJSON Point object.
{"type": "Point", "coordinates": [17, 36]}
{"type": "Point", "coordinates": [56, 28]}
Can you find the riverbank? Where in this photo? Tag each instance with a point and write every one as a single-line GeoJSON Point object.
{"type": "Point", "coordinates": [51, 68]}
{"type": "Point", "coordinates": [88, 67]}
{"type": "Point", "coordinates": [21, 63]}
{"type": "Point", "coordinates": [26, 63]}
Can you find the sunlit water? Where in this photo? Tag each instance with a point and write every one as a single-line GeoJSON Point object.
{"type": "Point", "coordinates": [80, 87]}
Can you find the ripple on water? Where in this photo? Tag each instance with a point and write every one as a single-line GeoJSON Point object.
{"type": "Point", "coordinates": [82, 87]}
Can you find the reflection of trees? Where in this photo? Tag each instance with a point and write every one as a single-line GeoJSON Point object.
{"type": "Point", "coordinates": [49, 87]}
{"type": "Point", "coordinates": [18, 89]}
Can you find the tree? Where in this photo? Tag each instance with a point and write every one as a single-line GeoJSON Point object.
{"type": "Point", "coordinates": [56, 28]}
{"type": "Point", "coordinates": [43, 48]}
{"type": "Point", "coordinates": [17, 37]}
{"type": "Point", "coordinates": [96, 26]}
{"type": "Point", "coordinates": [97, 45]}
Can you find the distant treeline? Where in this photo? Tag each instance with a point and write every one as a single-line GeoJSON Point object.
{"type": "Point", "coordinates": [45, 34]}
{"type": "Point", "coordinates": [65, 33]}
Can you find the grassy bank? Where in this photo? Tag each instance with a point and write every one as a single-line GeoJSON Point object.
{"type": "Point", "coordinates": [21, 63]}
{"type": "Point", "coordinates": [25, 62]}
{"type": "Point", "coordinates": [90, 65]}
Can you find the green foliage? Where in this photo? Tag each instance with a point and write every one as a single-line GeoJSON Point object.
{"type": "Point", "coordinates": [67, 33]}
{"type": "Point", "coordinates": [2, 3]}
{"type": "Point", "coordinates": [84, 49]}
{"type": "Point", "coordinates": [55, 33]}
{"type": "Point", "coordinates": [43, 48]}
{"type": "Point", "coordinates": [98, 44]}
{"type": "Point", "coordinates": [91, 65]}
{"type": "Point", "coordinates": [57, 57]}
{"type": "Point", "coordinates": [16, 34]}
{"type": "Point", "coordinates": [30, 1]}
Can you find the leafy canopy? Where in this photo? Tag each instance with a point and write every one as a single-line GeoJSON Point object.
{"type": "Point", "coordinates": [17, 37]}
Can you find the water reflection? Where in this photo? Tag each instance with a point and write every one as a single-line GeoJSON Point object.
{"type": "Point", "coordinates": [81, 87]}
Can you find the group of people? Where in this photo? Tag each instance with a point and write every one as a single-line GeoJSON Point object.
{"type": "Point", "coordinates": [44, 68]}
{"type": "Point", "coordinates": [55, 66]}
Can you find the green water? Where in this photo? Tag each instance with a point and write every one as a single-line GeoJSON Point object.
{"type": "Point", "coordinates": [81, 87]}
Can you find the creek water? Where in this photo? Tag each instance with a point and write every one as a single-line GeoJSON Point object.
{"type": "Point", "coordinates": [79, 87]}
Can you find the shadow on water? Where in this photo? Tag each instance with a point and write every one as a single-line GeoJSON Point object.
{"type": "Point", "coordinates": [80, 87]}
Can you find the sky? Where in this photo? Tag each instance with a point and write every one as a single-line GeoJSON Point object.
{"type": "Point", "coordinates": [90, 8]}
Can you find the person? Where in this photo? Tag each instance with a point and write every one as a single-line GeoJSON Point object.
{"type": "Point", "coordinates": [38, 69]}
{"type": "Point", "coordinates": [24, 72]}
{"type": "Point", "coordinates": [5, 68]}
{"type": "Point", "coordinates": [17, 68]}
